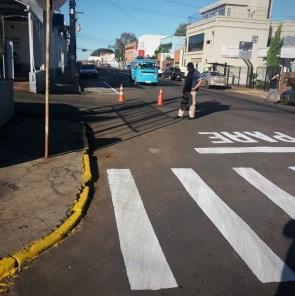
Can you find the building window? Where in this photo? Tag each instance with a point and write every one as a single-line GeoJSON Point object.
{"type": "Point", "coordinates": [221, 10]}
{"type": "Point", "coordinates": [228, 11]}
{"type": "Point", "coordinates": [254, 39]}
{"type": "Point", "coordinates": [196, 42]}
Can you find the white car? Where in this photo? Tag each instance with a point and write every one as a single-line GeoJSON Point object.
{"type": "Point", "coordinates": [160, 72]}
{"type": "Point", "coordinates": [88, 70]}
{"type": "Point", "coordinates": [213, 78]}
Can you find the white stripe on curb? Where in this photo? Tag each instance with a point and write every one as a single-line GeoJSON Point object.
{"type": "Point", "coordinates": [146, 265]}
{"type": "Point", "coordinates": [114, 90]}
{"type": "Point", "coordinates": [280, 197]}
{"type": "Point", "coordinates": [263, 262]}
{"type": "Point", "coordinates": [235, 150]}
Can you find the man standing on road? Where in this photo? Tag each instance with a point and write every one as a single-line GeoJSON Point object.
{"type": "Point", "coordinates": [191, 85]}
{"type": "Point", "coordinates": [273, 90]}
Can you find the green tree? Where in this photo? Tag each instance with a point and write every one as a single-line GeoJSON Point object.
{"type": "Point", "coordinates": [273, 59]}
{"type": "Point", "coordinates": [163, 48]}
{"type": "Point", "coordinates": [120, 43]}
{"type": "Point", "coordinates": [181, 30]}
{"type": "Point", "coordinates": [100, 51]}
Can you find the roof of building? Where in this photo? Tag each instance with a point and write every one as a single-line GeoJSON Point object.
{"type": "Point", "coordinates": [17, 8]}
{"type": "Point", "coordinates": [56, 3]}
{"type": "Point", "coordinates": [131, 45]}
{"type": "Point", "coordinates": [223, 2]}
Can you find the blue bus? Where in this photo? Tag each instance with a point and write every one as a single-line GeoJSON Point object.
{"type": "Point", "coordinates": [144, 70]}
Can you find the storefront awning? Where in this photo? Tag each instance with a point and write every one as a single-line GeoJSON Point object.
{"type": "Point", "coordinates": [38, 6]}
{"type": "Point", "coordinates": [57, 4]}
{"type": "Point", "coordinates": [18, 7]}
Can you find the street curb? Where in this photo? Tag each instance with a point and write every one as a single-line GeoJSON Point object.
{"type": "Point", "coordinates": [12, 263]}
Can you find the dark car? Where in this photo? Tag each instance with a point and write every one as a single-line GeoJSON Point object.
{"type": "Point", "coordinates": [172, 73]}
{"type": "Point", "coordinates": [288, 96]}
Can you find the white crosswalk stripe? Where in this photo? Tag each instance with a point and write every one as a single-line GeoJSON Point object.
{"type": "Point", "coordinates": [145, 262]}
{"type": "Point", "coordinates": [280, 197]}
{"type": "Point", "coordinates": [240, 150]}
{"type": "Point", "coordinates": [146, 265]}
{"type": "Point", "coordinates": [261, 260]}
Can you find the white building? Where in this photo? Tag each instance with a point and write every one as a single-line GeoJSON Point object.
{"type": "Point", "coordinates": [235, 32]}
{"type": "Point", "coordinates": [23, 33]}
{"type": "Point", "coordinates": [149, 43]}
{"type": "Point", "coordinates": [103, 59]}
{"type": "Point", "coordinates": [22, 47]}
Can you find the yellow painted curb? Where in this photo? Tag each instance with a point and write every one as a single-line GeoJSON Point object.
{"type": "Point", "coordinates": [11, 264]}
{"type": "Point", "coordinates": [87, 176]}
{"type": "Point", "coordinates": [8, 267]}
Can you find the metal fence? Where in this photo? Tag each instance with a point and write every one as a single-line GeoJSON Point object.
{"type": "Point", "coordinates": [235, 76]}
{"type": "Point", "coordinates": [264, 75]}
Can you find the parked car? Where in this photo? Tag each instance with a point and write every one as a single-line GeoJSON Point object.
{"type": "Point", "coordinates": [172, 73]}
{"type": "Point", "coordinates": [288, 96]}
{"type": "Point", "coordinates": [88, 70]}
{"type": "Point", "coordinates": [213, 78]}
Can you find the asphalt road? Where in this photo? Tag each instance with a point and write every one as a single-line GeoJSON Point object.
{"type": "Point", "coordinates": [177, 210]}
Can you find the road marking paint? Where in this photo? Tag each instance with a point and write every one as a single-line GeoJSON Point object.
{"type": "Point", "coordinates": [115, 91]}
{"type": "Point", "coordinates": [239, 137]}
{"type": "Point", "coordinates": [280, 197]}
{"type": "Point", "coordinates": [292, 168]}
{"type": "Point", "coordinates": [97, 90]}
{"type": "Point", "coordinates": [261, 136]}
{"type": "Point", "coordinates": [261, 260]}
{"type": "Point", "coordinates": [154, 150]}
{"type": "Point", "coordinates": [235, 150]}
{"type": "Point", "coordinates": [146, 265]}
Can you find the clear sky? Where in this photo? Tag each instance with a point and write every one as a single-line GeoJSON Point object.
{"type": "Point", "coordinates": [102, 21]}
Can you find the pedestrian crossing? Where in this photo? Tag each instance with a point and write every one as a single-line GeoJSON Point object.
{"type": "Point", "coordinates": [280, 197]}
{"type": "Point", "coordinates": [146, 265]}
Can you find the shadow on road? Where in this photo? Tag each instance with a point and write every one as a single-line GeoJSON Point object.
{"type": "Point", "coordinates": [116, 123]}
{"type": "Point", "coordinates": [207, 108]}
{"type": "Point", "coordinates": [288, 288]}
{"type": "Point", "coordinates": [22, 139]}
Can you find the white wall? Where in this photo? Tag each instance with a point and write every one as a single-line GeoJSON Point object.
{"type": "Point", "coordinates": [222, 31]}
{"type": "Point", "coordinates": [149, 43]}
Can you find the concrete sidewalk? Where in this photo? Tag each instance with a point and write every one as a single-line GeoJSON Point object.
{"type": "Point", "coordinates": [249, 91]}
{"type": "Point", "coordinates": [35, 194]}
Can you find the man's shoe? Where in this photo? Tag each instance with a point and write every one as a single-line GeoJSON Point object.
{"type": "Point", "coordinates": [191, 118]}
{"type": "Point", "coordinates": [179, 116]}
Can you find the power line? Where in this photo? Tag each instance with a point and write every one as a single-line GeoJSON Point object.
{"type": "Point", "coordinates": [93, 38]}
{"type": "Point", "coordinates": [85, 49]}
{"type": "Point", "coordinates": [97, 2]}
{"type": "Point", "coordinates": [134, 18]}
{"type": "Point", "coordinates": [183, 4]}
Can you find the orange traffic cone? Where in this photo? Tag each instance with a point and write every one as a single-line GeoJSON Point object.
{"type": "Point", "coordinates": [121, 95]}
{"type": "Point", "coordinates": [160, 98]}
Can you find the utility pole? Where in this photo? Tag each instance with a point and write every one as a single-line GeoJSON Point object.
{"type": "Point", "coordinates": [73, 43]}
{"type": "Point", "coordinates": [47, 71]}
